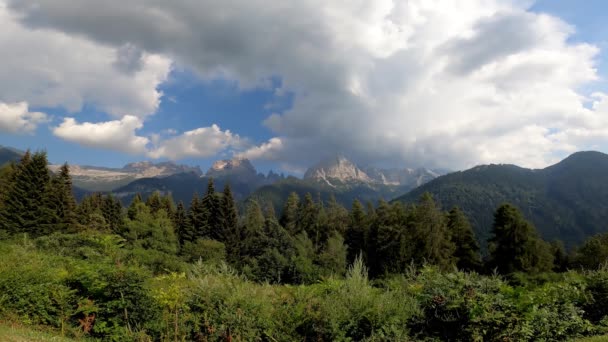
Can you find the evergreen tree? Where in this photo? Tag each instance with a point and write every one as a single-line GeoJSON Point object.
{"type": "Point", "coordinates": [212, 227]}
{"type": "Point", "coordinates": [431, 235]}
{"type": "Point", "coordinates": [26, 206]}
{"type": "Point", "coordinates": [462, 236]}
{"type": "Point", "coordinates": [61, 200]}
{"type": "Point", "coordinates": [196, 220]}
{"type": "Point", "coordinates": [356, 232]}
{"type": "Point", "coordinates": [307, 219]}
{"type": "Point", "coordinates": [229, 233]}
{"type": "Point", "coordinates": [289, 218]}
{"type": "Point", "coordinates": [154, 202]}
{"type": "Point", "coordinates": [112, 212]}
{"type": "Point", "coordinates": [332, 258]}
{"type": "Point", "coordinates": [252, 235]}
{"type": "Point", "coordinates": [180, 222]}
{"type": "Point", "coordinates": [515, 246]}
{"type": "Point", "coordinates": [337, 216]}
{"type": "Point", "coordinates": [132, 210]}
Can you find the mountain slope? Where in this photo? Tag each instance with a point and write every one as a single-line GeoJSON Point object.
{"type": "Point", "coordinates": [8, 154]}
{"type": "Point", "coordinates": [566, 201]}
{"type": "Point", "coordinates": [241, 175]}
{"type": "Point", "coordinates": [94, 178]}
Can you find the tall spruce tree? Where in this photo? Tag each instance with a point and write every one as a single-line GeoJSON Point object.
{"type": "Point", "coordinates": [356, 232]}
{"type": "Point", "coordinates": [466, 247]}
{"type": "Point", "coordinates": [307, 219]}
{"type": "Point", "coordinates": [26, 206]}
{"type": "Point", "coordinates": [196, 219]}
{"type": "Point", "coordinates": [289, 218]}
{"type": "Point", "coordinates": [211, 205]}
{"type": "Point", "coordinates": [229, 233]}
{"type": "Point", "coordinates": [515, 245]}
{"type": "Point", "coordinates": [180, 222]}
{"type": "Point", "coordinates": [61, 200]}
{"type": "Point", "coordinates": [431, 235]}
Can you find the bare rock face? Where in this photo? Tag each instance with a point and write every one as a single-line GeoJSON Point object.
{"type": "Point", "coordinates": [340, 169]}
{"type": "Point", "coordinates": [96, 178]}
{"type": "Point", "coordinates": [237, 167]}
{"type": "Point", "coordinates": [337, 169]}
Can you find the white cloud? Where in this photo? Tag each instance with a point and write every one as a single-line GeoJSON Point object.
{"type": "Point", "coordinates": [117, 135]}
{"type": "Point", "coordinates": [268, 150]}
{"type": "Point", "coordinates": [437, 83]}
{"type": "Point", "coordinates": [48, 68]}
{"type": "Point", "coordinates": [201, 142]}
{"type": "Point", "coordinates": [16, 118]}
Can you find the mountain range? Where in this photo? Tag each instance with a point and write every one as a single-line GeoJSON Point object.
{"type": "Point", "coordinates": [566, 201]}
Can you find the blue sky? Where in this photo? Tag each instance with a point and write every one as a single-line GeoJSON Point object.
{"type": "Point", "coordinates": [285, 92]}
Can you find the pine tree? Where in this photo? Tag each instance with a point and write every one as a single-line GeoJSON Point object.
{"type": "Point", "coordinates": [61, 200]}
{"type": "Point", "coordinates": [211, 205]}
{"type": "Point", "coordinates": [132, 210]}
{"type": "Point", "coordinates": [337, 216]}
{"type": "Point", "coordinates": [356, 232]}
{"type": "Point", "coordinates": [289, 218]}
{"type": "Point", "coordinates": [466, 247]}
{"type": "Point", "coordinates": [307, 219]}
{"type": "Point", "coordinates": [112, 212]}
{"type": "Point", "coordinates": [26, 206]}
{"type": "Point", "coordinates": [180, 222]}
{"type": "Point", "coordinates": [229, 233]}
{"type": "Point", "coordinates": [154, 202]}
{"type": "Point", "coordinates": [431, 234]}
{"type": "Point", "coordinates": [196, 220]}
{"type": "Point", "coordinates": [515, 245]}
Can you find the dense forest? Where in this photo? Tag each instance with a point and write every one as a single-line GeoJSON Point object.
{"type": "Point", "coordinates": [207, 271]}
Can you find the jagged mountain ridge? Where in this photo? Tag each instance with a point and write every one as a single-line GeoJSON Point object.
{"type": "Point", "coordinates": [95, 178]}
{"type": "Point", "coordinates": [338, 170]}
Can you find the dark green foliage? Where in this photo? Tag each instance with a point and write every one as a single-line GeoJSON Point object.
{"type": "Point", "coordinates": [197, 223]}
{"type": "Point", "coordinates": [466, 247]}
{"type": "Point", "coordinates": [515, 246]}
{"type": "Point", "coordinates": [60, 200]}
{"type": "Point", "coordinates": [565, 201]}
{"type": "Point", "coordinates": [593, 254]}
{"type": "Point", "coordinates": [211, 205]}
{"type": "Point", "coordinates": [181, 223]}
{"type": "Point", "coordinates": [431, 241]}
{"type": "Point", "coordinates": [26, 205]}
{"type": "Point", "coordinates": [289, 219]}
{"type": "Point", "coordinates": [229, 232]}
{"type": "Point", "coordinates": [356, 233]}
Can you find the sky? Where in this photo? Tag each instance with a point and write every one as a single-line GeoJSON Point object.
{"type": "Point", "coordinates": [421, 83]}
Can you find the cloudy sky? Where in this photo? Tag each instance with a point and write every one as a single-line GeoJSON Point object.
{"type": "Point", "coordinates": [437, 83]}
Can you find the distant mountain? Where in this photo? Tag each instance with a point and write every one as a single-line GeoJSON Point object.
{"type": "Point", "coordinates": [94, 178]}
{"type": "Point", "coordinates": [566, 201]}
{"type": "Point", "coordinates": [338, 170]}
{"type": "Point", "coordinates": [240, 173]}
{"type": "Point", "coordinates": [8, 154]}
{"type": "Point", "coordinates": [347, 181]}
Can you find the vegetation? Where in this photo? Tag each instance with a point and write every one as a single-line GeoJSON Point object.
{"type": "Point", "coordinates": [565, 201]}
{"type": "Point", "coordinates": [208, 272]}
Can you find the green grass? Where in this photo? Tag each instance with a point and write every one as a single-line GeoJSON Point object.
{"type": "Point", "coordinates": [19, 333]}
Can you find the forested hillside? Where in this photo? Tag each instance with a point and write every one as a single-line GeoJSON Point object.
{"type": "Point", "coordinates": [157, 270]}
{"type": "Point", "coordinates": [567, 201]}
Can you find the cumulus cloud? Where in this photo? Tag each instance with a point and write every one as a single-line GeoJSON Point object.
{"type": "Point", "coordinates": [16, 118]}
{"type": "Point", "coordinates": [268, 150]}
{"type": "Point", "coordinates": [438, 83]}
{"type": "Point", "coordinates": [49, 68]}
{"type": "Point", "coordinates": [200, 142]}
{"type": "Point", "coordinates": [118, 135]}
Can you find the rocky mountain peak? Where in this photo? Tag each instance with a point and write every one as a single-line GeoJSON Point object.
{"type": "Point", "coordinates": [338, 168]}
{"type": "Point", "coordinates": [235, 166]}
